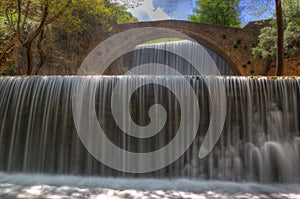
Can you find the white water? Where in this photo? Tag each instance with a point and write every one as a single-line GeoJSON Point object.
{"type": "Point", "coordinates": [260, 141]}
{"type": "Point", "coordinates": [61, 186]}
{"type": "Point", "coordinates": [184, 56]}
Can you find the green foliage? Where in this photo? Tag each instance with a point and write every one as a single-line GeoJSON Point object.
{"type": "Point", "coordinates": [266, 47]}
{"type": "Point", "coordinates": [267, 44]}
{"type": "Point", "coordinates": [162, 40]}
{"type": "Point", "coordinates": [123, 16]}
{"type": "Point", "coordinates": [85, 14]}
{"type": "Point", "coordinates": [35, 25]}
{"type": "Point", "coordinates": [219, 12]}
{"type": "Point", "coordinates": [73, 16]}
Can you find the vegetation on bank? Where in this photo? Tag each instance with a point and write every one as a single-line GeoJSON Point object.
{"type": "Point", "coordinates": [266, 47]}
{"type": "Point", "coordinates": [31, 28]}
{"type": "Point", "coordinates": [279, 40]}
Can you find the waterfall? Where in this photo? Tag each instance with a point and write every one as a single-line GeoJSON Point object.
{"type": "Point", "coordinates": [260, 139]}
{"type": "Point", "coordinates": [163, 53]}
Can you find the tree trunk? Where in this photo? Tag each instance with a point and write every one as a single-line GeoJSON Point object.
{"type": "Point", "coordinates": [29, 56]}
{"type": "Point", "coordinates": [43, 58]}
{"type": "Point", "coordinates": [280, 39]}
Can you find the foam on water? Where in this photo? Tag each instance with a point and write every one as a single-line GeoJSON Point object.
{"type": "Point", "coordinates": [180, 184]}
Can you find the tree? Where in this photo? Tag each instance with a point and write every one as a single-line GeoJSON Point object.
{"type": "Point", "coordinates": [280, 38]}
{"type": "Point", "coordinates": [267, 46]}
{"type": "Point", "coordinates": [30, 24]}
{"type": "Point", "coordinates": [27, 22]}
{"type": "Point", "coordinates": [220, 12]}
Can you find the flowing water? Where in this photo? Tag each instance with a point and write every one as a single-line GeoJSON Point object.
{"type": "Point", "coordinates": [183, 56]}
{"type": "Point", "coordinates": [163, 53]}
{"type": "Point", "coordinates": [61, 186]}
{"type": "Point", "coordinates": [260, 140]}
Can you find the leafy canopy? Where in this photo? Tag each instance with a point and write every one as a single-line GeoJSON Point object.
{"type": "Point", "coordinates": [32, 24]}
{"type": "Point", "coordinates": [266, 47]}
{"type": "Point", "coordinates": [219, 12]}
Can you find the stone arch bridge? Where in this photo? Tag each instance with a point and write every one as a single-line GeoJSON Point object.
{"type": "Point", "coordinates": [232, 44]}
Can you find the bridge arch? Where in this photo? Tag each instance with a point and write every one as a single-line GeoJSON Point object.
{"type": "Point", "coordinates": [220, 39]}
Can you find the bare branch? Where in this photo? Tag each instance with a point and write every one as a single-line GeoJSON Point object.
{"type": "Point", "coordinates": [9, 19]}
{"type": "Point", "coordinates": [42, 23]}
{"type": "Point", "coordinates": [8, 15]}
{"type": "Point", "coordinates": [19, 11]}
{"type": "Point", "coordinates": [43, 53]}
{"type": "Point", "coordinates": [25, 15]}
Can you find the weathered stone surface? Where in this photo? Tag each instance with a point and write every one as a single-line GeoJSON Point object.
{"type": "Point", "coordinates": [232, 44]}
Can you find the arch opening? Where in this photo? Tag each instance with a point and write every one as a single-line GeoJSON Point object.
{"type": "Point", "coordinates": [158, 51]}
